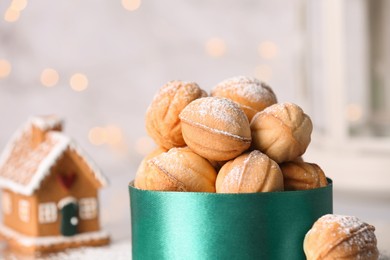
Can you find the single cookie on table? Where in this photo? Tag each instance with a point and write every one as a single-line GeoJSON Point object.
{"type": "Point", "coordinates": [162, 116]}
{"type": "Point", "coordinates": [250, 93]}
{"type": "Point", "coordinates": [302, 176]}
{"type": "Point", "coordinates": [250, 172]}
{"type": "Point", "coordinates": [140, 177]}
{"type": "Point", "coordinates": [179, 169]}
{"type": "Point", "coordinates": [340, 237]}
{"type": "Point", "coordinates": [282, 131]}
{"type": "Point", "coordinates": [215, 128]}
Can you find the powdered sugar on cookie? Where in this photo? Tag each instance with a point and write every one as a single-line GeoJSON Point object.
{"type": "Point", "coordinates": [246, 87]}
{"type": "Point", "coordinates": [338, 236]}
{"type": "Point", "coordinates": [223, 111]}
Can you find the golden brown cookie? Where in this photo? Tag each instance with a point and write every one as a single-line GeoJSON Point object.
{"type": "Point", "coordinates": [250, 93]}
{"type": "Point", "coordinates": [162, 117]}
{"type": "Point", "coordinates": [340, 237]}
{"type": "Point", "coordinates": [180, 169]}
{"type": "Point", "coordinates": [140, 177]}
{"type": "Point", "coordinates": [250, 172]}
{"type": "Point", "coordinates": [302, 176]}
{"type": "Point", "coordinates": [282, 131]}
{"type": "Point", "coordinates": [215, 128]}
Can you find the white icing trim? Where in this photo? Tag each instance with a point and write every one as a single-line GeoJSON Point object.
{"type": "Point", "coordinates": [88, 208]}
{"type": "Point", "coordinates": [30, 241]}
{"type": "Point", "coordinates": [46, 164]}
{"type": "Point", "coordinates": [65, 201]}
{"type": "Point", "coordinates": [47, 212]}
{"type": "Point", "coordinates": [13, 186]}
{"type": "Point", "coordinates": [24, 210]}
{"type": "Point", "coordinates": [46, 122]}
{"type": "Point", "coordinates": [6, 203]}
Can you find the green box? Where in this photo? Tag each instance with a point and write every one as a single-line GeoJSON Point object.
{"type": "Point", "coordinates": [191, 225]}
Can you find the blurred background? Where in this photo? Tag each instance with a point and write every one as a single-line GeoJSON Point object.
{"type": "Point", "coordinates": [98, 65]}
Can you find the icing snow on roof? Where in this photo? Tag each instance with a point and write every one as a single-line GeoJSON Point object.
{"type": "Point", "coordinates": [23, 168]}
{"type": "Point", "coordinates": [46, 122]}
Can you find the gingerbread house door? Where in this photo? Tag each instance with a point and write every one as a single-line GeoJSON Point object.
{"type": "Point", "coordinates": [69, 216]}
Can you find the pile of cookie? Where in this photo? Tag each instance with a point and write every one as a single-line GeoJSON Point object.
{"type": "Point", "coordinates": [241, 140]}
{"type": "Point", "coordinates": [237, 140]}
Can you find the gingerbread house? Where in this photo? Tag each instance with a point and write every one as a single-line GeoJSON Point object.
{"type": "Point", "coordinates": [49, 190]}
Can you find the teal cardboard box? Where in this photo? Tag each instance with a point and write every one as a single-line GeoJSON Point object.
{"type": "Point", "coordinates": [190, 225]}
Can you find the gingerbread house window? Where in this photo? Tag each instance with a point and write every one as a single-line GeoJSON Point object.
{"type": "Point", "coordinates": [88, 208]}
{"type": "Point", "coordinates": [6, 202]}
{"type": "Point", "coordinates": [47, 212]}
{"type": "Point", "coordinates": [24, 210]}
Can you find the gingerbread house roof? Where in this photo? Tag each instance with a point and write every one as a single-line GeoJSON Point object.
{"type": "Point", "coordinates": [23, 167]}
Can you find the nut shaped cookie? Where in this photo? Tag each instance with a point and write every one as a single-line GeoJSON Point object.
{"type": "Point", "coordinates": [302, 176]}
{"type": "Point", "coordinates": [282, 131]}
{"type": "Point", "coordinates": [250, 172]}
{"type": "Point", "coordinates": [180, 169]}
{"type": "Point", "coordinates": [340, 237]}
{"type": "Point", "coordinates": [140, 177]}
{"type": "Point", "coordinates": [162, 117]}
{"type": "Point", "coordinates": [215, 128]}
{"type": "Point", "coordinates": [250, 93]}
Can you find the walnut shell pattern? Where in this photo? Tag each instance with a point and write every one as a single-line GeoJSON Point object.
{"type": "Point", "coordinates": [180, 169]}
{"type": "Point", "coordinates": [250, 172]}
{"type": "Point", "coordinates": [162, 116]}
{"type": "Point", "coordinates": [282, 131]}
{"type": "Point", "coordinates": [340, 237]}
{"type": "Point", "coordinates": [302, 176]}
{"type": "Point", "coordinates": [250, 93]}
{"type": "Point", "coordinates": [215, 128]}
{"type": "Point", "coordinates": [140, 177]}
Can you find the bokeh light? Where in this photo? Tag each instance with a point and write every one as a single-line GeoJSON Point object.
{"type": "Point", "coordinates": [216, 47]}
{"type": "Point", "coordinates": [97, 135]}
{"type": "Point", "coordinates": [5, 68]}
{"type": "Point", "coordinates": [114, 135]}
{"type": "Point", "coordinates": [268, 50]}
{"type": "Point", "coordinates": [11, 15]}
{"type": "Point", "coordinates": [79, 82]}
{"type": "Point", "coordinates": [111, 135]}
{"type": "Point", "coordinates": [18, 5]}
{"type": "Point", "coordinates": [131, 5]}
{"type": "Point", "coordinates": [49, 77]}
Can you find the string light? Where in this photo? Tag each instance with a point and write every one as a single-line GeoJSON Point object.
{"type": "Point", "coordinates": [263, 72]}
{"type": "Point", "coordinates": [131, 5]}
{"type": "Point", "coordinates": [5, 68]}
{"type": "Point", "coordinates": [268, 50]}
{"type": "Point", "coordinates": [49, 77]}
{"type": "Point", "coordinates": [216, 47]}
{"type": "Point", "coordinates": [97, 136]}
{"type": "Point", "coordinates": [11, 15]}
{"type": "Point", "coordinates": [111, 135]}
{"type": "Point", "coordinates": [114, 135]}
{"type": "Point", "coordinates": [19, 5]}
{"type": "Point", "coordinates": [79, 82]}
